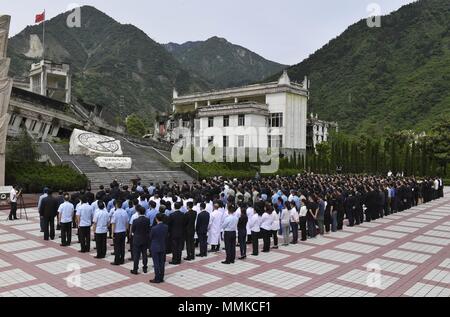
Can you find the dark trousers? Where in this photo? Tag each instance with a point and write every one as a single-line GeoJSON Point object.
{"type": "Point", "coordinates": [13, 212]}
{"type": "Point", "coordinates": [190, 246]}
{"type": "Point", "coordinates": [159, 262]}
{"type": "Point", "coordinates": [294, 228]}
{"type": "Point", "coordinates": [242, 238]}
{"type": "Point", "coordinates": [119, 247]}
{"type": "Point", "coordinates": [340, 219]}
{"type": "Point", "coordinates": [203, 243]}
{"type": "Point", "coordinates": [230, 246]}
{"type": "Point", "coordinates": [138, 250]}
{"type": "Point", "coordinates": [48, 225]}
{"type": "Point", "coordinates": [84, 235]}
{"type": "Point", "coordinates": [351, 217]}
{"type": "Point", "coordinates": [303, 228]}
{"type": "Point", "coordinates": [312, 231]}
{"type": "Point", "coordinates": [130, 239]}
{"type": "Point", "coordinates": [266, 239]}
{"type": "Point", "coordinates": [327, 222]}
{"type": "Point", "coordinates": [275, 237]}
{"type": "Point", "coordinates": [177, 246]}
{"type": "Point", "coordinates": [100, 244]}
{"type": "Point", "coordinates": [66, 233]}
{"type": "Point", "coordinates": [255, 242]}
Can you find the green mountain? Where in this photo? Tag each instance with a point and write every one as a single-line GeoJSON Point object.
{"type": "Point", "coordinates": [222, 63]}
{"type": "Point", "coordinates": [375, 80]}
{"type": "Point", "coordinates": [110, 62]}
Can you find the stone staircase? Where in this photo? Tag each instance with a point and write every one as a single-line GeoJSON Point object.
{"type": "Point", "coordinates": [148, 164]}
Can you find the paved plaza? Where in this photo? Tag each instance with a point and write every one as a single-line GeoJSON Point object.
{"type": "Point", "coordinates": [411, 248]}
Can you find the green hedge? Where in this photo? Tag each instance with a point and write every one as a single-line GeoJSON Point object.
{"type": "Point", "coordinates": [33, 177]}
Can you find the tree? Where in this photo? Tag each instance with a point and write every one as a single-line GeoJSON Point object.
{"type": "Point", "coordinates": [23, 149]}
{"type": "Point", "coordinates": [440, 140]}
{"type": "Point", "coordinates": [135, 125]}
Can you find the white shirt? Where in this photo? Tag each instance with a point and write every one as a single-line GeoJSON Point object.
{"type": "Point", "coordinates": [436, 185]}
{"type": "Point", "coordinates": [66, 212]}
{"type": "Point", "coordinates": [13, 196]}
{"type": "Point", "coordinates": [255, 223]}
{"type": "Point", "coordinates": [101, 219]}
{"type": "Point", "coordinates": [285, 217]}
{"type": "Point", "coordinates": [266, 221]}
{"type": "Point", "coordinates": [293, 215]}
{"type": "Point", "coordinates": [303, 211]}
{"type": "Point", "coordinates": [275, 221]}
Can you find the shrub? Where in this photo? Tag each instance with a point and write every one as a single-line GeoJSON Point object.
{"type": "Point", "coordinates": [33, 177]}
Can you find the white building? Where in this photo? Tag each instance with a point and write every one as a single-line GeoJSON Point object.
{"type": "Point", "coordinates": [236, 117]}
{"type": "Point", "coordinates": [319, 131]}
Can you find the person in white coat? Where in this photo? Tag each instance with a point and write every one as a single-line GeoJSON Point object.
{"type": "Point", "coordinates": [275, 228]}
{"type": "Point", "coordinates": [255, 228]}
{"type": "Point", "coordinates": [214, 229]}
{"type": "Point", "coordinates": [250, 212]}
{"type": "Point", "coordinates": [285, 223]}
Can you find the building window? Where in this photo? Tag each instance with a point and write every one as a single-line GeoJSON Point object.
{"type": "Point", "coordinates": [211, 140]}
{"type": "Point", "coordinates": [226, 121]}
{"type": "Point", "coordinates": [226, 141]}
{"type": "Point", "coordinates": [241, 141]}
{"type": "Point", "coordinates": [43, 127]}
{"type": "Point", "coordinates": [52, 128]}
{"type": "Point", "coordinates": [186, 124]}
{"type": "Point", "coordinates": [275, 141]}
{"type": "Point", "coordinates": [276, 120]}
{"type": "Point", "coordinates": [197, 141]}
{"type": "Point", "coordinates": [210, 122]}
{"type": "Point", "coordinates": [33, 125]}
{"type": "Point", "coordinates": [241, 120]}
{"type": "Point", "coordinates": [13, 119]}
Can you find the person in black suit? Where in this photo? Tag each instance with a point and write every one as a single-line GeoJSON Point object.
{"type": "Point", "coordinates": [60, 200]}
{"type": "Point", "coordinates": [176, 231]}
{"type": "Point", "coordinates": [48, 211]}
{"type": "Point", "coordinates": [189, 228]}
{"type": "Point", "coordinates": [158, 236]}
{"type": "Point", "coordinates": [202, 230]}
{"type": "Point", "coordinates": [140, 231]}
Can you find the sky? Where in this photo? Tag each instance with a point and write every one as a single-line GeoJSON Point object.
{"type": "Point", "coordinates": [285, 31]}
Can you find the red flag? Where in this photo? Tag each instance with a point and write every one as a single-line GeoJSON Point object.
{"type": "Point", "coordinates": [40, 17]}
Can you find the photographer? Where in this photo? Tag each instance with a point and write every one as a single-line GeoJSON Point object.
{"type": "Point", "coordinates": [15, 193]}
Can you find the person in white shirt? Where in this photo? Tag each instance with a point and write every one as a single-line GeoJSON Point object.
{"type": "Point", "coordinates": [285, 223]}
{"type": "Point", "coordinates": [302, 219]}
{"type": "Point", "coordinates": [294, 219]}
{"type": "Point", "coordinates": [255, 227]}
{"type": "Point", "coordinates": [13, 203]}
{"type": "Point", "coordinates": [250, 212]}
{"type": "Point", "coordinates": [101, 222]}
{"type": "Point", "coordinates": [275, 228]}
{"type": "Point", "coordinates": [266, 227]}
{"type": "Point", "coordinates": [214, 229]}
{"type": "Point", "coordinates": [65, 217]}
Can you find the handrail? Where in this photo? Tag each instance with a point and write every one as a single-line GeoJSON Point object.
{"type": "Point", "coordinates": [64, 161]}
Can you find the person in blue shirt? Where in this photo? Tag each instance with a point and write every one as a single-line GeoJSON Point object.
{"type": "Point", "coordinates": [100, 228]}
{"type": "Point", "coordinates": [151, 213]}
{"type": "Point", "coordinates": [119, 223]}
{"type": "Point", "coordinates": [151, 189]}
{"type": "Point", "coordinates": [229, 227]}
{"type": "Point", "coordinates": [111, 204]}
{"type": "Point", "coordinates": [84, 216]}
{"type": "Point", "coordinates": [143, 201]}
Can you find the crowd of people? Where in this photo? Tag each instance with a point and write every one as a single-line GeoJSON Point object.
{"type": "Point", "coordinates": [164, 218]}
